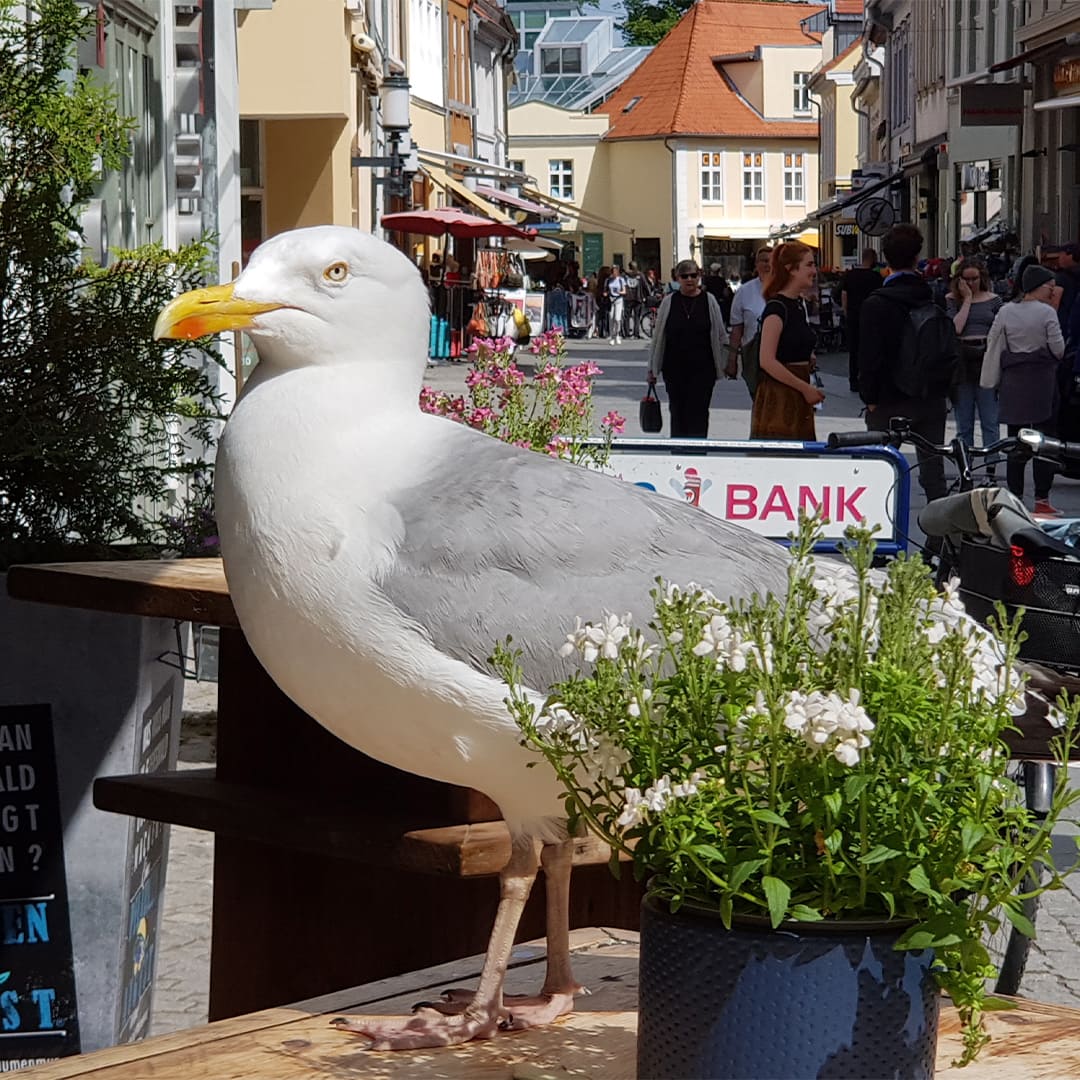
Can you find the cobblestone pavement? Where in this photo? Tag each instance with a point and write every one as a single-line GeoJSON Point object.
{"type": "Point", "coordinates": [180, 990]}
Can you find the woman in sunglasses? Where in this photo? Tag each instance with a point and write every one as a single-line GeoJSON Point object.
{"type": "Point", "coordinates": [785, 397]}
{"type": "Point", "coordinates": [688, 350]}
{"type": "Point", "coordinates": [972, 307]}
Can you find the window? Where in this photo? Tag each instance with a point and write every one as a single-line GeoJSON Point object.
{"type": "Point", "coordinates": [753, 176]}
{"type": "Point", "coordinates": [561, 178]}
{"type": "Point", "coordinates": [712, 189]}
{"type": "Point", "coordinates": [517, 166]}
{"type": "Point", "coordinates": [794, 178]}
{"type": "Point", "coordinates": [801, 92]}
{"type": "Point", "coordinates": [560, 61]}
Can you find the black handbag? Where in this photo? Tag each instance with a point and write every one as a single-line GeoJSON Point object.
{"type": "Point", "coordinates": [649, 415]}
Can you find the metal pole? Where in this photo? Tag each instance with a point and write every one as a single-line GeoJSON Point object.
{"type": "Point", "coordinates": [209, 202]}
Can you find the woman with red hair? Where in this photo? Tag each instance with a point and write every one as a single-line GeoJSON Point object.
{"type": "Point", "coordinates": [785, 398]}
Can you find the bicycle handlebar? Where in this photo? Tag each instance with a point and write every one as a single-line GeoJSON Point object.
{"type": "Point", "coordinates": [835, 440]}
{"type": "Point", "coordinates": [1032, 443]}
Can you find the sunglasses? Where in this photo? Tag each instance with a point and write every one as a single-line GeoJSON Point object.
{"type": "Point", "coordinates": [688, 277]}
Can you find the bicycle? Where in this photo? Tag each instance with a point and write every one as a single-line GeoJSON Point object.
{"type": "Point", "coordinates": [985, 533]}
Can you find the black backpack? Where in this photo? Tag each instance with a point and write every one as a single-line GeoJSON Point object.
{"type": "Point", "coordinates": [928, 353]}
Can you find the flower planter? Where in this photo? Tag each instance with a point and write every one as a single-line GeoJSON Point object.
{"type": "Point", "coordinates": [808, 1001]}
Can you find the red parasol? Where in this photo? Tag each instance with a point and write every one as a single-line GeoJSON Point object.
{"type": "Point", "coordinates": [457, 223]}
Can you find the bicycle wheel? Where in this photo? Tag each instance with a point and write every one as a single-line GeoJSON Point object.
{"type": "Point", "coordinates": [647, 322]}
{"type": "Point", "coordinates": [1008, 947]}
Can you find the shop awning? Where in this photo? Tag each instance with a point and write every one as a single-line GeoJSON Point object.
{"type": "Point", "coordinates": [570, 210]}
{"type": "Point", "coordinates": [517, 202]}
{"type": "Point", "coordinates": [452, 186]}
{"type": "Point", "coordinates": [1026, 57]}
{"type": "Point", "coordinates": [1070, 101]}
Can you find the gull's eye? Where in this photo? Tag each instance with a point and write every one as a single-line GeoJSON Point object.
{"type": "Point", "coordinates": [336, 272]}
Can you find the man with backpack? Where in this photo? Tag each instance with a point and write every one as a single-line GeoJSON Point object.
{"type": "Point", "coordinates": [909, 353]}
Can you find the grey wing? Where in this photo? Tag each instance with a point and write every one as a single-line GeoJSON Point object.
{"type": "Point", "coordinates": [504, 542]}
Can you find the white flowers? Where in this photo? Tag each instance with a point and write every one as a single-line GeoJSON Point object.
{"type": "Point", "coordinates": [601, 639]}
{"type": "Point", "coordinates": [829, 722]}
{"type": "Point", "coordinates": [655, 799]}
{"type": "Point", "coordinates": [731, 650]}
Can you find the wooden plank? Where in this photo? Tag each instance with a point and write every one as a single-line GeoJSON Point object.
{"type": "Point", "coordinates": [1034, 1042]}
{"type": "Point", "coordinates": [186, 589]}
{"type": "Point", "coordinates": [343, 830]}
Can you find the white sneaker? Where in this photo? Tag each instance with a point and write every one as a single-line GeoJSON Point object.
{"type": "Point", "coordinates": [618, 341]}
{"type": "Point", "coordinates": [611, 341]}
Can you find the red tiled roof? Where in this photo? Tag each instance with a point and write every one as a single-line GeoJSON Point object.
{"type": "Point", "coordinates": [848, 7]}
{"type": "Point", "coordinates": [681, 92]}
{"type": "Point", "coordinates": [835, 61]}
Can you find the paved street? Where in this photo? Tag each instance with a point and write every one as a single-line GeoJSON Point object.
{"type": "Point", "coordinates": [183, 957]}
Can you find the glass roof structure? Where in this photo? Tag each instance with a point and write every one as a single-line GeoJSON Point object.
{"type": "Point", "coordinates": [579, 92]}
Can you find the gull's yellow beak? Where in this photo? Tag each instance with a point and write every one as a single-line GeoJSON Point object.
{"type": "Point", "coordinates": [207, 311]}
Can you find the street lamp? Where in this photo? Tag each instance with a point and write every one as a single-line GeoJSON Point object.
{"type": "Point", "coordinates": [394, 120]}
{"type": "Point", "coordinates": [696, 239]}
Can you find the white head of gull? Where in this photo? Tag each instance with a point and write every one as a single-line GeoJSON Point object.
{"type": "Point", "coordinates": [375, 554]}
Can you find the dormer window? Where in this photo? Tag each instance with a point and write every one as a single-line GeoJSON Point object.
{"type": "Point", "coordinates": [801, 92]}
{"type": "Point", "coordinates": [560, 61]}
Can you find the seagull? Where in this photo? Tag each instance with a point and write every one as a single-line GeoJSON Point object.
{"type": "Point", "coordinates": [376, 554]}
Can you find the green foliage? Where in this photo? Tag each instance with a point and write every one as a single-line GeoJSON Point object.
{"type": "Point", "coordinates": [647, 21]}
{"type": "Point", "coordinates": [91, 436]}
{"type": "Point", "coordinates": [834, 753]}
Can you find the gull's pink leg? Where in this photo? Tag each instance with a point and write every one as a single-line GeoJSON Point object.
{"type": "Point", "coordinates": [485, 1014]}
{"type": "Point", "coordinates": [556, 997]}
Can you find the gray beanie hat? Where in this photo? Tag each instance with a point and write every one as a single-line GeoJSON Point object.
{"type": "Point", "coordinates": [1034, 276]}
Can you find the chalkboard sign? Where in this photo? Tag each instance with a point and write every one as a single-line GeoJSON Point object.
{"type": "Point", "coordinates": [592, 252]}
{"type": "Point", "coordinates": [38, 1013]}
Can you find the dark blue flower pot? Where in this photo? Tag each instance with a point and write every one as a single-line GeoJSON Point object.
{"type": "Point", "coordinates": [827, 1000]}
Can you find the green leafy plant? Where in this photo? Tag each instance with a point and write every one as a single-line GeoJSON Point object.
{"type": "Point", "coordinates": [832, 753]}
{"type": "Point", "coordinates": [98, 423]}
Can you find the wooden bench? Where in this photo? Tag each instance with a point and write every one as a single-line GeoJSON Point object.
{"type": "Point", "coordinates": [323, 857]}
{"type": "Point", "coordinates": [1032, 1042]}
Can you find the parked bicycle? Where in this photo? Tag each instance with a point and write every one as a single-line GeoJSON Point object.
{"type": "Point", "coordinates": [986, 538]}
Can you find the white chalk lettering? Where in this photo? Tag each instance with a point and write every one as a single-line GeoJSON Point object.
{"type": "Point", "coordinates": [15, 737]}
{"type": "Point", "coordinates": [17, 778]}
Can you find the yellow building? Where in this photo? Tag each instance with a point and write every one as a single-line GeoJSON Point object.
{"type": "Point", "coordinates": [833, 83]}
{"type": "Point", "coordinates": [704, 150]}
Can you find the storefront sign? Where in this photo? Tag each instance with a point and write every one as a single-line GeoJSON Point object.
{"type": "Point", "coordinates": [1067, 76]}
{"type": "Point", "coordinates": [763, 486]}
{"type": "Point", "coordinates": [991, 104]}
{"type": "Point", "coordinates": [38, 1013]}
{"type": "Point", "coordinates": [846, 228]}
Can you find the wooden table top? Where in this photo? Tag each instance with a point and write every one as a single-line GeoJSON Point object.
{"type": "Point", "coordinates": [1032, 1042]}
{"type": "Point", "coordinates": [186, 589]}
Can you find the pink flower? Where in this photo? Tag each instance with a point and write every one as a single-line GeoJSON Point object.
{"type": "Point", "coordinates": [614, 421]}
{"type": "Point", "coordinates": [479, 417]}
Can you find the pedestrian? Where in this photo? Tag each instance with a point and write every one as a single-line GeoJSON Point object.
{"type": "Point", "coordinates": [1023, 350]}
{"type": "Point", "coordinates": [688, 350]}
{"type": "Point", "coordinates": [746, 310]}
{"type": "Point", "coordinates": [716, 284]}
{"type": "Point", "coordinates": [972, 307]}
{"type": "Point", "coordinates": [558, 308]}
{"type": "Point", "coordinates": [785, 398]}
{"type": "Point", "coordinates": [603, 301]}
{"type": "Point", "coordinates": [857, 285]}
{"type": "Point", "coordinates": [634, 281]}
{"type": "Point", "coordinates": [892, 357]}
{"type": "Point", "coordinates": [1067, 278]}
{"type": "Point", "coordinates": [616, 290]}
{"type": "Point", "coordinates": [653, 288]}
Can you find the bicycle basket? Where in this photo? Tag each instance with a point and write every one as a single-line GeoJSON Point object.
{"type": "Point", "coordinates": [1048, 590]}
